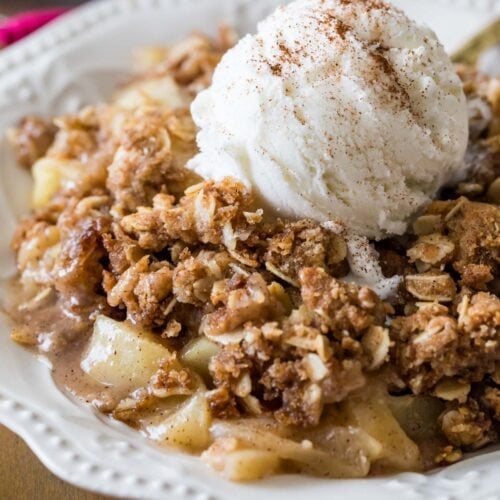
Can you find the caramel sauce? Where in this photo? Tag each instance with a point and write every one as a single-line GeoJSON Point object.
{"type": "Point", "coordinates": [60, 337]}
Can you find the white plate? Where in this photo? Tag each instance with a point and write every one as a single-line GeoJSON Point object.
{"type": "Point", "coordinates": [78, 60]}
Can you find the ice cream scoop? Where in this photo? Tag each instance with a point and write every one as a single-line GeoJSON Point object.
{"type": "Point", "coordinates": [336, 110]}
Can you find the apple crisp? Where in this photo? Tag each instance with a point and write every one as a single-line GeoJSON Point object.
{"type": "Point", "coordinates": [177, 306]}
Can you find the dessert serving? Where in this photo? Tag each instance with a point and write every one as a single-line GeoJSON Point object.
{"type": "Point", "coordinates": [280, 253]}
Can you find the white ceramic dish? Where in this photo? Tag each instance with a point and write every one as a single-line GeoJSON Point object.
{"type": "Point", "coordinates": [78, 60]}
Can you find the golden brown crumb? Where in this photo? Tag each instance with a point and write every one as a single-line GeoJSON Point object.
{"type": "Point", "coordinates": [172, 380]}
{"type": "Point", "coordinates": [491, 401]}
{"type": "Point", "coordinates": [304, 244]}
{"type": "Point", "coordinates": [431, 343]}
{"type": "Point", "coordinates": [246, 299]}
{"type": "Point", "coordinates": [474, 229]}
{"type": "Point", "coordinates": [144, 289]}
{"type": "Point", "coordinates": [466, 425]}
{"type": "Point", "coordinates": [340, 306]}
{"type": "Point", "coordinates": [448, 455]}
{"type": "Point", "coordinates": [195, 277]}
{"type": "Point", "coordinates": [32, 139]}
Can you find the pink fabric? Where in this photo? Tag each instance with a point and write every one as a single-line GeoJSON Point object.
{"type": "Point", "coordinates": [17, 27]}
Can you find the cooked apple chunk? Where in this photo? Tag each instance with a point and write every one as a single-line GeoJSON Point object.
{"type": "Point", "coordinates": [187, 428]}
{"type": "Point", "coordinates": [198, 353]}
{"type": "Point", "coordinates": [158, 92]}
{"type": "Point", "coordinates": [121, 355]}
{"type": "Point", "coordinates": [50, 175]}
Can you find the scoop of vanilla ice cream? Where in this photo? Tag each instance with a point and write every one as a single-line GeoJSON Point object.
{"type": "Point", "coordinates": [336, 110]}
